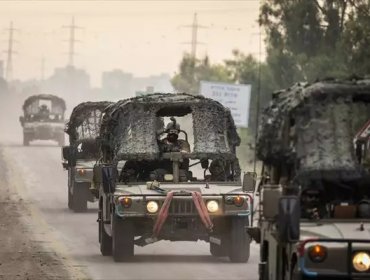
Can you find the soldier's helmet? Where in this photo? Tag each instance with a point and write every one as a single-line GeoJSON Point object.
{"type": "Point", "coordinates": [216, 167]}
{"type": "Point", "coordinates": [173, 127]}
{"type": "Point", "coordinates": [363, 209]}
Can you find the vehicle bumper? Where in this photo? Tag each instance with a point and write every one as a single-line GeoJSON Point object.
{"type": "Point", "coordinates": [338, 264]}
{"type": "Point", "coordinates": [181, 206]}
{"type": "Point", "coordinates": [44, 132]}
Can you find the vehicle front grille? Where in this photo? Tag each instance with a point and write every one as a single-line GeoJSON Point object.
{"type": "Point", "coordinates": [45, 131]}
{"type": "Point", "coordinates": [182, 207]}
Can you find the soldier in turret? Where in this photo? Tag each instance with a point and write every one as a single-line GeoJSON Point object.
{"type": "Point", "coordinates": [171, 143]}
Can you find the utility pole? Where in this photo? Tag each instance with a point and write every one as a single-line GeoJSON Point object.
{"type": "Point", "coordinates": [194, 35]}
{"type": "Point", "coordinates": [42, 76]}
{"type": "Point", "coordinates": [9, 52]}
{"type": "Point", "coordinates": [72, 40]}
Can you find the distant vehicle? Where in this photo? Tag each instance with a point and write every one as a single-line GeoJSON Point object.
{"type": "Point", "coordinates": [157, 186]}
{"type": "Point", "coordinates": [315, 208]}
{"type": "Point", "coordinates": [43, 118]}
{"type": "Point", "coordinates": [82, 153]}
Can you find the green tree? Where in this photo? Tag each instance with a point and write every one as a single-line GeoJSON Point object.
{"type": "Point", "coordinates": [192, 71]}
{"type": "Point", "coordinates": [356, 39]}
{"type": "Point", "coordinates": [310, 39]}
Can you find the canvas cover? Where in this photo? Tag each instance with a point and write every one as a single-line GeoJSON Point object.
{"type": "Point", "coordinates": [85, 120]}
{"type": "Point", "coordinates": [129, 127]}
{"type": "Point", "coordinates": [312, 126]}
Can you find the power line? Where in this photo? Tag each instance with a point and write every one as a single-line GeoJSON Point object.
{"type": "Point", "coordinates": [194, 35]}
{"type": "Point", "coordinates": [72, 41]}
{"type": "Point", "coordinates": [9, 53]}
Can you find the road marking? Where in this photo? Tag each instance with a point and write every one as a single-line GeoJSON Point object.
{"type": "Point", "coordinates": [16, 181]}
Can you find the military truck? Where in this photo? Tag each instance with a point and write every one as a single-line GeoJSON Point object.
{"type": "Point", "coordinates": [82, 153]}
{"type": "Point", "coordinates": [43, 118]}
{"type": "Point", "coordinates": [164, 191]}
{"type": "Point", "coordinates": [314, 213]}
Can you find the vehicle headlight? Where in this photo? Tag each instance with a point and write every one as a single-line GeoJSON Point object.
{"type": "Point", "coordinates": [361, 261]}
{"type": "Point", "coordinates": [125, 201]}
{"type": "Point", "coordinates": [238, 201]}
{"type": "Point", "coordinates": [317, 253]}
{"type": "Point", "coordinates": [152, 207]}
{"type": "Point", "coordinates": [212, 206]}
{"type": "Point", "coordinates": [81, 172]}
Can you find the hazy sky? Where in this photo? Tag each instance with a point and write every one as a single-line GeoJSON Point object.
{"type": "Point", "coordinates": [141, 37]}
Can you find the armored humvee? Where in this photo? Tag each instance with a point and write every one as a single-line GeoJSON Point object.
{"type": "Point", "coordinates": [43, 118]}
{"type": "Point", "coordinates": [165, 192]}
{"type": "Point", "coordinates": [81, 155]}
{"type": "Point", "coordinates": [315, 209]}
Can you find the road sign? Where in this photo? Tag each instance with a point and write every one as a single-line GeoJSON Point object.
{"type": "Point", "coordinates": [233, 96]}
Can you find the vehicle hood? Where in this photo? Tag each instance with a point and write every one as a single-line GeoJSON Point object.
{"type": "Point", "coordinates": [86, 164]}
{"type": "Point", "coordinates": [211, 189]}
{"type": "Point", "coordinates": [44, 124]}
{"type": "Point", "coordinates": [346, 230]}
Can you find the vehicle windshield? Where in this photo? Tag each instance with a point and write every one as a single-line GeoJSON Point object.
{"type": "Point", "coordinates": [87, 150]}
{"type": "Point", "coordinates": [189, 171]}
{"type": "Point", "coordinates": [44, 110]}
{"type": "Point", "coordinates": [176, 144]}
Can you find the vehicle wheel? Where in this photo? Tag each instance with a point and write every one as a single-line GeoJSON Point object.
{"type": "Point", "coordinates": [264, 265]}
{"type": "Point", "coordinates": [70, 199]}
{"type": "Point", "coordinates": [26, 140]}
{"type": "Point", "coordinates": [123, 235]}
{"type": "Point", "coordinates": [104, 239]}
{"type": "Point", "coordinates": [79, 196]}
{"type": "Point", "coordinates": [217, 250]}
{"type": "Point", "coordinates": [239, 248]}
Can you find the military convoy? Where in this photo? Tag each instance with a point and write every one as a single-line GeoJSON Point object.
{"type": "Point", "coordinates": [81, 155]}
{"type": "Point", "coordinates": [164, 167]}
{"type": "Point", "coordinates": [153, 188]}
{"type": "Point", "coordinates": [43, 118]}
{"type": "Point", "coordinates": [314, 214]}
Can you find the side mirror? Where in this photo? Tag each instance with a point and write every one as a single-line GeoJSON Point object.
{"type": "Point", "coordinates": [204, 163]}
{"type": "Point", "coordinates": [249, 182]}
{"type": "Point", "coordinates": [66, 152]}
{"type": "Point", "coordinates": [65, 165]}
{"type": "Point", "coordinates": [109, 174]}
{"type": "Point", "coordinates": [271, 195]}
{"type": "Point", "coordinates": [97, 174]}
{"type": "Point", "coordinates": [289, 218]}
{"type": "Point", "coordinates": [21, 120]}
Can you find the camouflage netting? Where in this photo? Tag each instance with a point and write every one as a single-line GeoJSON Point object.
{"type": "Point", "coordinates": [313, 127]}
{"type": "Point", "coordinates": [85, 120]}
{"type": "Point", "coordinates": [54, 99]}
{"type": "Point", "coordinates": [129, 128]}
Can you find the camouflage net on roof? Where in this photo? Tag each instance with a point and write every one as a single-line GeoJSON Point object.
{"type": "Point", "coordinates": [53, 98]}
{"type": "Point", "coordinates": [85, 120]}
{"type": "Point", "coordinates": [129, 127]}
{"type": "Point", "coordinates": [312, 126]}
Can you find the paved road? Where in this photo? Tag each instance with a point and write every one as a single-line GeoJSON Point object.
{"type": "Point", "coordinates": [43, 184]}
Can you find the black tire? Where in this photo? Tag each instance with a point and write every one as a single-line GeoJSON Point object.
{"type": "Point", "coordinates": [104, 239]}
{"type": "Point", "coordinates": [123, 235]}
{"type": "Point", "coordinates": [79, 197]}
{"type": "Point", "coordinates": [264, 265]}
{"type": "Point", "coordinates": [26, 139]}
{"type": "Point", "coordinates": [239, 247]}
{"type": "Point", "coordinates": [70, 199]}
{"type": "Point", "coordinates": [218, 250]}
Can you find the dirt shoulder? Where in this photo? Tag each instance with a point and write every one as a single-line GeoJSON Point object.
{"type": "Point", "coordinates": [22, 254]}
